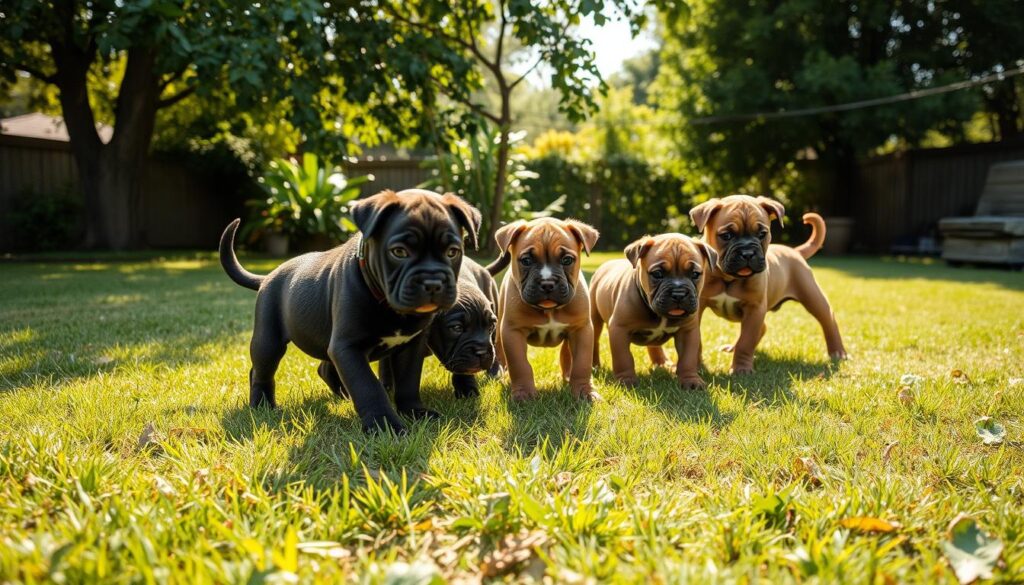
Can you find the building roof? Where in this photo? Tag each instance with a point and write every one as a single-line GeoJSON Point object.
{"type": "Point", "coordinates": [44, 127]}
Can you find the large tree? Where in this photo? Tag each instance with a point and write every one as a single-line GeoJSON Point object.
{"type": "Point", "coordinates": [731, 57]}
{"type": "Point", "coordinates": [494, 33]}
{"type": "Point", "coordinates": [304, 55]}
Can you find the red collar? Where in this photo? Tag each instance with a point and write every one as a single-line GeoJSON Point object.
{"type": "Point", "coordinates": [374, 289]}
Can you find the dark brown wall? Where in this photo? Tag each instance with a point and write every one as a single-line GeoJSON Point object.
{"type": "Point", "coordinates": [902, 196]}
{"type": "Point", "coordinates": [182, 207]}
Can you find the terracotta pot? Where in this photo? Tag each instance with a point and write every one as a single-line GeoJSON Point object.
{"type": "Point", "coordinates": [838, 235]}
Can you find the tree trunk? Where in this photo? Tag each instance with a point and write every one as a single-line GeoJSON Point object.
{"type": "Point", "coordinates": [111, 174]}
{"type": "Point", "coordinates": [501, 173]}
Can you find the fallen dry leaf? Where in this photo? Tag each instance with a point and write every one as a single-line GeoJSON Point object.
{"type": "Point", "coordinates": [148, 437]}
{"type": "Point", "coordinates": [887, 452]}
{"type": "Point", "coordinates": [807, 468]}
{"type": "Point", "coordinates": [164, 487]}
{"type": "Point", "coordinates": [960, 377]}
{"type": "Point", "coordinates": [514, 549]}
{"type": "Point", "coordinates": [869, 524]}
{"type": "Point", "coordinates": [906, 395]}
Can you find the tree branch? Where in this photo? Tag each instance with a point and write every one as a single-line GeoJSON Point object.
{"type": "Point", "coordinates": [476, 108]}
{"type": "Point", "coordinates": [37, 73]}
{"type": "Point", "coordinates": [526, 73]}
{"type": "Point", "coordinates": [174, 76]}
{"type": "Point", "coordinates": [501, 33]}
{"type": "Point", "coordinates": [171, 100]}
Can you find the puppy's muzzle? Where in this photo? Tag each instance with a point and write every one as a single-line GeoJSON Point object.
{"type": "Point", "coordinates": [676, 302]}
{"type": "Point", "coordinates": [471, 358]}
{"type": "Point", "coordinates": [427, 292]}
{"type": "Point", "coordinates": [745, 260]}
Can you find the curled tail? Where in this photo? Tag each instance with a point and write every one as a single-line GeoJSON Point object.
{"type": "Point", "coordinates": [229, 261]}
{"type": "Point", "coordinates": [813, 244]}
{"type": "Point", "coordinates": [500, 264]}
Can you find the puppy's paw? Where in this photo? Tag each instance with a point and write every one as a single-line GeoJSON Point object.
{"type": "Point", "coordinates": [665, 365]}
{"type": "Point", "coordinates": [466, 391]}
{"type": "Point", "coordinates": [524, 393]}
{"type": "Point", "coordinates": [629, 381]}
{"type": "Point", "coordinates": [692, 382]}
{"type": "Point", "coordinates": [420, 413]}
{"type": "Point", "coordinates": [838, 356]}
{"type": "Point", "coordinates": [742, 370]}
{"type": "Point", "coordinates": [585, 391]}
{"type": "Point", "coordinates": [383, 423]}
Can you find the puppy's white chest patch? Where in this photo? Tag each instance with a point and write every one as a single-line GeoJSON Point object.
{"type": "Point", "coordinates": [397, 339]}
{"type": "Point", "coordinates": [551, 331]}
{"type": "Point", "coordinates": [726, 306]}
{"type": "Point", "coordinates": [661, 331]}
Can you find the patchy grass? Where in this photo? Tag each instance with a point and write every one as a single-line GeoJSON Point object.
{"type": "Point", "coordinates": [749, 480]}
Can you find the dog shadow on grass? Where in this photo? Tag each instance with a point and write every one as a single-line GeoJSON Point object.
{"type": "Point", "coordinates": [658, 388]}
{"type": "Point", "coordinates": [552, 419]}
{"type": "Point", "coordinates": [325, 441]}
{"type": "Point", "coordinates": [773, 379]}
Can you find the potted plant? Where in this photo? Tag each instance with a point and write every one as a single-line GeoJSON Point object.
{"type": "Point", "coordinates": [306, 205]}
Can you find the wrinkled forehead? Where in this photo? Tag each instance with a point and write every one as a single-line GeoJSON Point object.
{"type": "Point", "coordinates": [426, 214]}
{"type": "Point", "coordinates": [674, 254]}
{"type": "Point", "coordinates": [744, 215]}
{"type": "Point", "coordinates": [547, 236]}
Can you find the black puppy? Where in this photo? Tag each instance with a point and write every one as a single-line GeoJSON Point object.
{"type": "Point", "coordinates": [367, 299]}
{"type": "Point", "coordinates": [462, 338]}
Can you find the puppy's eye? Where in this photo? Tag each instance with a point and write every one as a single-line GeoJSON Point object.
{"type": "Point", "coordinates": [657, 274]}
{"type": "Point", "coordinates": [399, 252]}
{"type": "Point", "coordinates": [453, 252]}
{"type": "Point", "coordinates": [568, 260]}
{"type": "Point", "coordinates": [526, 261]}
{"type": "Point", "coordinates": [725, 236]}
{"type": "Point", "coordinates": [695, 275]}
{"type": "Point", "coordinates": [456, 328]}
{"type": "Point", "coordinates": [762, 234]}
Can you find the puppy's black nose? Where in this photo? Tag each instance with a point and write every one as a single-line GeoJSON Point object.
{"type": "Point", "coordinates": [433, 285]}
{"type": "Point", "coordinates": [547, 285]}
{"type": "Point", "coordinates": [680, 294]}
{"type": "Point", "coordinates": [481, 352]}
{"type": "Point", "coordinates": [747, 254]}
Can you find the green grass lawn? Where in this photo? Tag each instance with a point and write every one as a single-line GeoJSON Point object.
{"type": "Point", "coordinates": [128, 452]}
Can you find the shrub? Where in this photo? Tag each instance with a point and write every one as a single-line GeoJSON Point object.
{"type": "Point", "coordinates": [470, 171]}
{"type": "Point", "coordinates": [307, 201]}
{"type": "Point", "coordinates": [622, 196]}
{"type": "Point", "coordinates": [42, 222]}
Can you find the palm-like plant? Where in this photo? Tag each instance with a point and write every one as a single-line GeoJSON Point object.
{"type": "Point", "coordinates": [307, 201]}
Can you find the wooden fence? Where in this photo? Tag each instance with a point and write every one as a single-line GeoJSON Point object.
{"type": "Point", "coordinates": [900, 197]}
{"type": "Point", "coordinates": [182, 208]}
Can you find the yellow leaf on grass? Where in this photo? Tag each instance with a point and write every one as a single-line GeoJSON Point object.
{"type": "Point", "coordinates": [869, 524]}
{"type": "Point", "coordinates": [807, 468]}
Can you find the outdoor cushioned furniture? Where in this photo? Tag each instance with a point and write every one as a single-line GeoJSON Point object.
{"type": "Point", "coordinates": [996, 232]}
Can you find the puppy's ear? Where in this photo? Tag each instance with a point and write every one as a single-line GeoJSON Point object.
{"type": "Point", "coordinates": [701, 214]}
{"type": "Point", "coordinates": [638, 249]}
{"type": "Point", "coordinates": [369, 213]}
{"type": "Point", "coordinates": [774, 209]}
{"type": "Point", "coordinates": [710, 254]}
{"type": "Point", "coordinates": [468, 216]}
{"type": "Point", "coordinates": [507, 234]}
{"type": "Point", "coordinates": [585, 234]}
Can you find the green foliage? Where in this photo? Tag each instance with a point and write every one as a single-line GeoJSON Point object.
{"type": "Point", "coordinates": [469, 169]}
{"type": "Point", "coordinates": [40, 222]}
{"type": "Point", "coordinates": [725, 57]}
{"type": "Point", "coordinates": [650, 484]}
{"type": "Point", "coordinates": [305, 200]}
{"type": "Point", "coordinates": [623, 196]}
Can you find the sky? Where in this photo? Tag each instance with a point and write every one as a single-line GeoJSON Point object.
{"type": "Point", "coordinates": [612, 44]}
